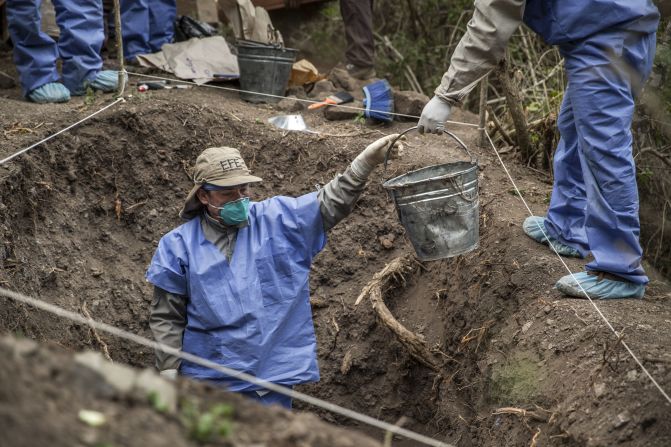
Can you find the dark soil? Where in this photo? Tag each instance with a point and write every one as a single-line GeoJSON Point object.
{"type": "Point", "coordinates": [80, 217]}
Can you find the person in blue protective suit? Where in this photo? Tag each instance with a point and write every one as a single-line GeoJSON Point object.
{"type": "Point", "coordinates": [146, 25]}
{"type": "Point", "coordinates": [608, 48]}
{"type": "Point", "coordinates": [231, 284]}
{"type": "Point", "coordinates": [78, 48]}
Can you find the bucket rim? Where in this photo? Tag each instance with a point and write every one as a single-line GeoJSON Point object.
{"type": "Point", "coordinates": [387, 184]}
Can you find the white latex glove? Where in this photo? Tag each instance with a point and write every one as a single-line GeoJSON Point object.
{"type": "Point", "coordinates": [374, 154]}
{"type": "Point", "coordinates": [170, 374]}
{"type": "Point", "coordinates": [434, 115]}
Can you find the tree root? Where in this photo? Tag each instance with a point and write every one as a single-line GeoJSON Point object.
{"type": "Point", "coordinates": [414, 343]}
{"type": "Point", "coordinates": [100, 341]}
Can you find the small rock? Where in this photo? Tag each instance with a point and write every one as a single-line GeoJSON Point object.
{"type": "Point", "coordinates": [297, 91]}
{"type": "Point", "coordinates": [342, 79]}
{"type": "Point", "coordinates": [290, 104]}
{"type": "Point", "coordinates": [387, 241]}
{"type": "Point", "coordinates": [599, 389]}
{"type": "Point", "coordinates": [408, 102]}
{"type": "Point", "coordinates": [621, 419]}
{"type": "Point", "coordinates": [527, 326]}
{"type": "Point", "coordinates": [92, 418]}
{"type": "Point", "coordinates": [333, 113]}
{"type": "Point", "coordinates": [632, 375]}
{"type": "Point", "coordinates": [322, 89]}
{"type": "Point", "coordinates": [547, 309]}
{"type": "Point", "coordinates": [148, 383]}
{"type": "Point", "coordinates": [122, 378]}
{"type": "Point", "coordinates": [153, 213]}
{"type": "Point", "coordinates": [550, 322]}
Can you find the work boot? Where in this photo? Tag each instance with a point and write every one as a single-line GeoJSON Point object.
{"type": "Point", "coordinates": [48, 93]}
{"type": "Point", "coordinates": [599, 286]}
{"type": "Point", "coordinates": [534, 227]}
{"type": "Point", "coordinates": [361, 73]}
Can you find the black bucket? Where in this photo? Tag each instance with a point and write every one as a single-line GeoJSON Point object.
{"type": "Point", "coordinates": [264, 68]}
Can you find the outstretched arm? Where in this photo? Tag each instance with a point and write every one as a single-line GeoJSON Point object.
{"type": "Point", "coordinates": [338, 197]}
{"type": "Point", "coordinates": [481, 48]}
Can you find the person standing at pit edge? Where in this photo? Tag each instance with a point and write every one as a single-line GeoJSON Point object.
{"type": "Point", "coordinates": [146, 25]}
{"type": "Point", "coordinates": [608, 48]}
{"type": "Point", "coordinates": [231, 284]}
{"type": "Point", "coordinates": [357, 16]}
{"type": "Point", "coordinates": [78, 47]}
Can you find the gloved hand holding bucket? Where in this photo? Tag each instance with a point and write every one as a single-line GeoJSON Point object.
{"type": "Point", "coordinates": [438, 206]}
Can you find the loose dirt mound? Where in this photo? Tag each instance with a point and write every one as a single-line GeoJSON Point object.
{"type": "Point", "coordinates": [44, 395]}
{"type": "Point", "coordinates": [82, 214]}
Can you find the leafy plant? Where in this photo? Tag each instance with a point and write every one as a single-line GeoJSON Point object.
{"type": "Point", "coordinates": [209, 425]}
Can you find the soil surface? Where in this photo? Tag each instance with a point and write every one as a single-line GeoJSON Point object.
{"type": "Point", "coordinates": [81, 215]}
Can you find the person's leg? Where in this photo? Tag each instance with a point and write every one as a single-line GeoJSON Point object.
{"type": "Point", "coordinates": [357, 18]}
{"type": "Point", "coordinates": [565, 220]}
{"type": "Point", "coordinates": [135, 27]}
{"type": "Point", "coordinates": [162, 15]}
{"type": "Point", "coordinates": [35, 53]}
{"type": "Point", "coordinates": [604, 72]}
{"type": "Point", "coordinates": [82, 37]}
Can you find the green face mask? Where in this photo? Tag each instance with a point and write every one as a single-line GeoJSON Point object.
{"type": "Point", "coordinates": [235, 212]}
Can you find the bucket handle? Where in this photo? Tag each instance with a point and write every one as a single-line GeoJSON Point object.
{"type": "Point", "coordinates": [454, 137]}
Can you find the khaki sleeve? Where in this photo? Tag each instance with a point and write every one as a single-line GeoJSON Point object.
{"type": "Point", "coordinates": [167, 321]}
{"type": "Point", "coordinates": [338, 197]}
{"type": "Point", "coordinates": [481, 48]}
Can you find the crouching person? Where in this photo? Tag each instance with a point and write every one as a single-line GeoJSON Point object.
{"type": "Point", "coordinates": [231, 284]}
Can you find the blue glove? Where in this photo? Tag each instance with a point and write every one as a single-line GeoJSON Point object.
{"type": "Point", "coordinates": [434, 115]}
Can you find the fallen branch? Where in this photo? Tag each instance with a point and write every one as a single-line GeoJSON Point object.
{"type": "Point", "coordinates": [414, 343]}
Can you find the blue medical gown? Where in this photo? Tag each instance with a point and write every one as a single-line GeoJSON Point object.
{"type": "Point", "coordinates": [608, 47]}
{"type": "Point", "coordinates": [146, 25]}
{"type": "Point", "coordinates": [252, 314]}
{"type": "Point", "coordinates": [35, 53]}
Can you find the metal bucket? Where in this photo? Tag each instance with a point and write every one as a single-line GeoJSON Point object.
{"type": "Point", "coordinates": [264, 68]}
{"type": "Point", "coordinates": [439, 207]}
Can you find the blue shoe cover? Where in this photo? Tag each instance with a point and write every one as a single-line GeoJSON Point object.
{"type": "Point", "coordinates": [599, 288]}
{"type": "Point", "coordinates": [105, 81]}
{"type": "Point", "coordinates": [534, 227]}
{"type": "Point", "coordinates": [51, 92]}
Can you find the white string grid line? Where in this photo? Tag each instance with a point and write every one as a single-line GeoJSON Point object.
{"type": "Point", "coordinates": [22, 151]}
{"type": "Point", "coordinates": [104, 327]}
{"type": "Point", "coordinates": [307, 101]}
{"type": "Point", "coordinates": [603, 317]}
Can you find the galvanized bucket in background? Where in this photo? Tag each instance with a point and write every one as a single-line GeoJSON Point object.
{"type": "Point", "coordinates": [264, 68]}
{"type": "Point", "coordinates": [439, 207]}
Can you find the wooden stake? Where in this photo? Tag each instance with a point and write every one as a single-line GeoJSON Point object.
{"type": "Point", "coordinates": [484, 85]}
{"type": "Point", "coordinates": [119, 48]}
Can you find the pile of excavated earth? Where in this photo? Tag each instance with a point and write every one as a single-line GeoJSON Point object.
{"type": "Point", "coordinates": [492, 354]}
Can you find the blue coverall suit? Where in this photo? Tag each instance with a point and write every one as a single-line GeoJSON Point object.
{"type": "Point", "coordinates": [35, 53]}
{"type": "Point", "coordinates": [608, 47]}
{"type": "Point", "coordinates": [251, 313]}
{"type": "Point", "coordinates": [146, 25]}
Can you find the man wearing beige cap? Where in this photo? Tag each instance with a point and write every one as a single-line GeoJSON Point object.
{"type": "Point", "coordinates": [231, 284]}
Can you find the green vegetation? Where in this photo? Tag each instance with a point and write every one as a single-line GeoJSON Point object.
{"type": "Point", "coordinates": [208, 425]}
{"type": "Point", "coordinates": [515, 382]}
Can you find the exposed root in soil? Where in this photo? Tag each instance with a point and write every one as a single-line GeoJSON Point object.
{"type": "Point", "coordinates": [414, 343]}
{"type": "Point", "coordinates": [99, 340]}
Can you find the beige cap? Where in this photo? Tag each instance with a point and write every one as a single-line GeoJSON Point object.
{"type": "Point", "coordinates": [221, 166]}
